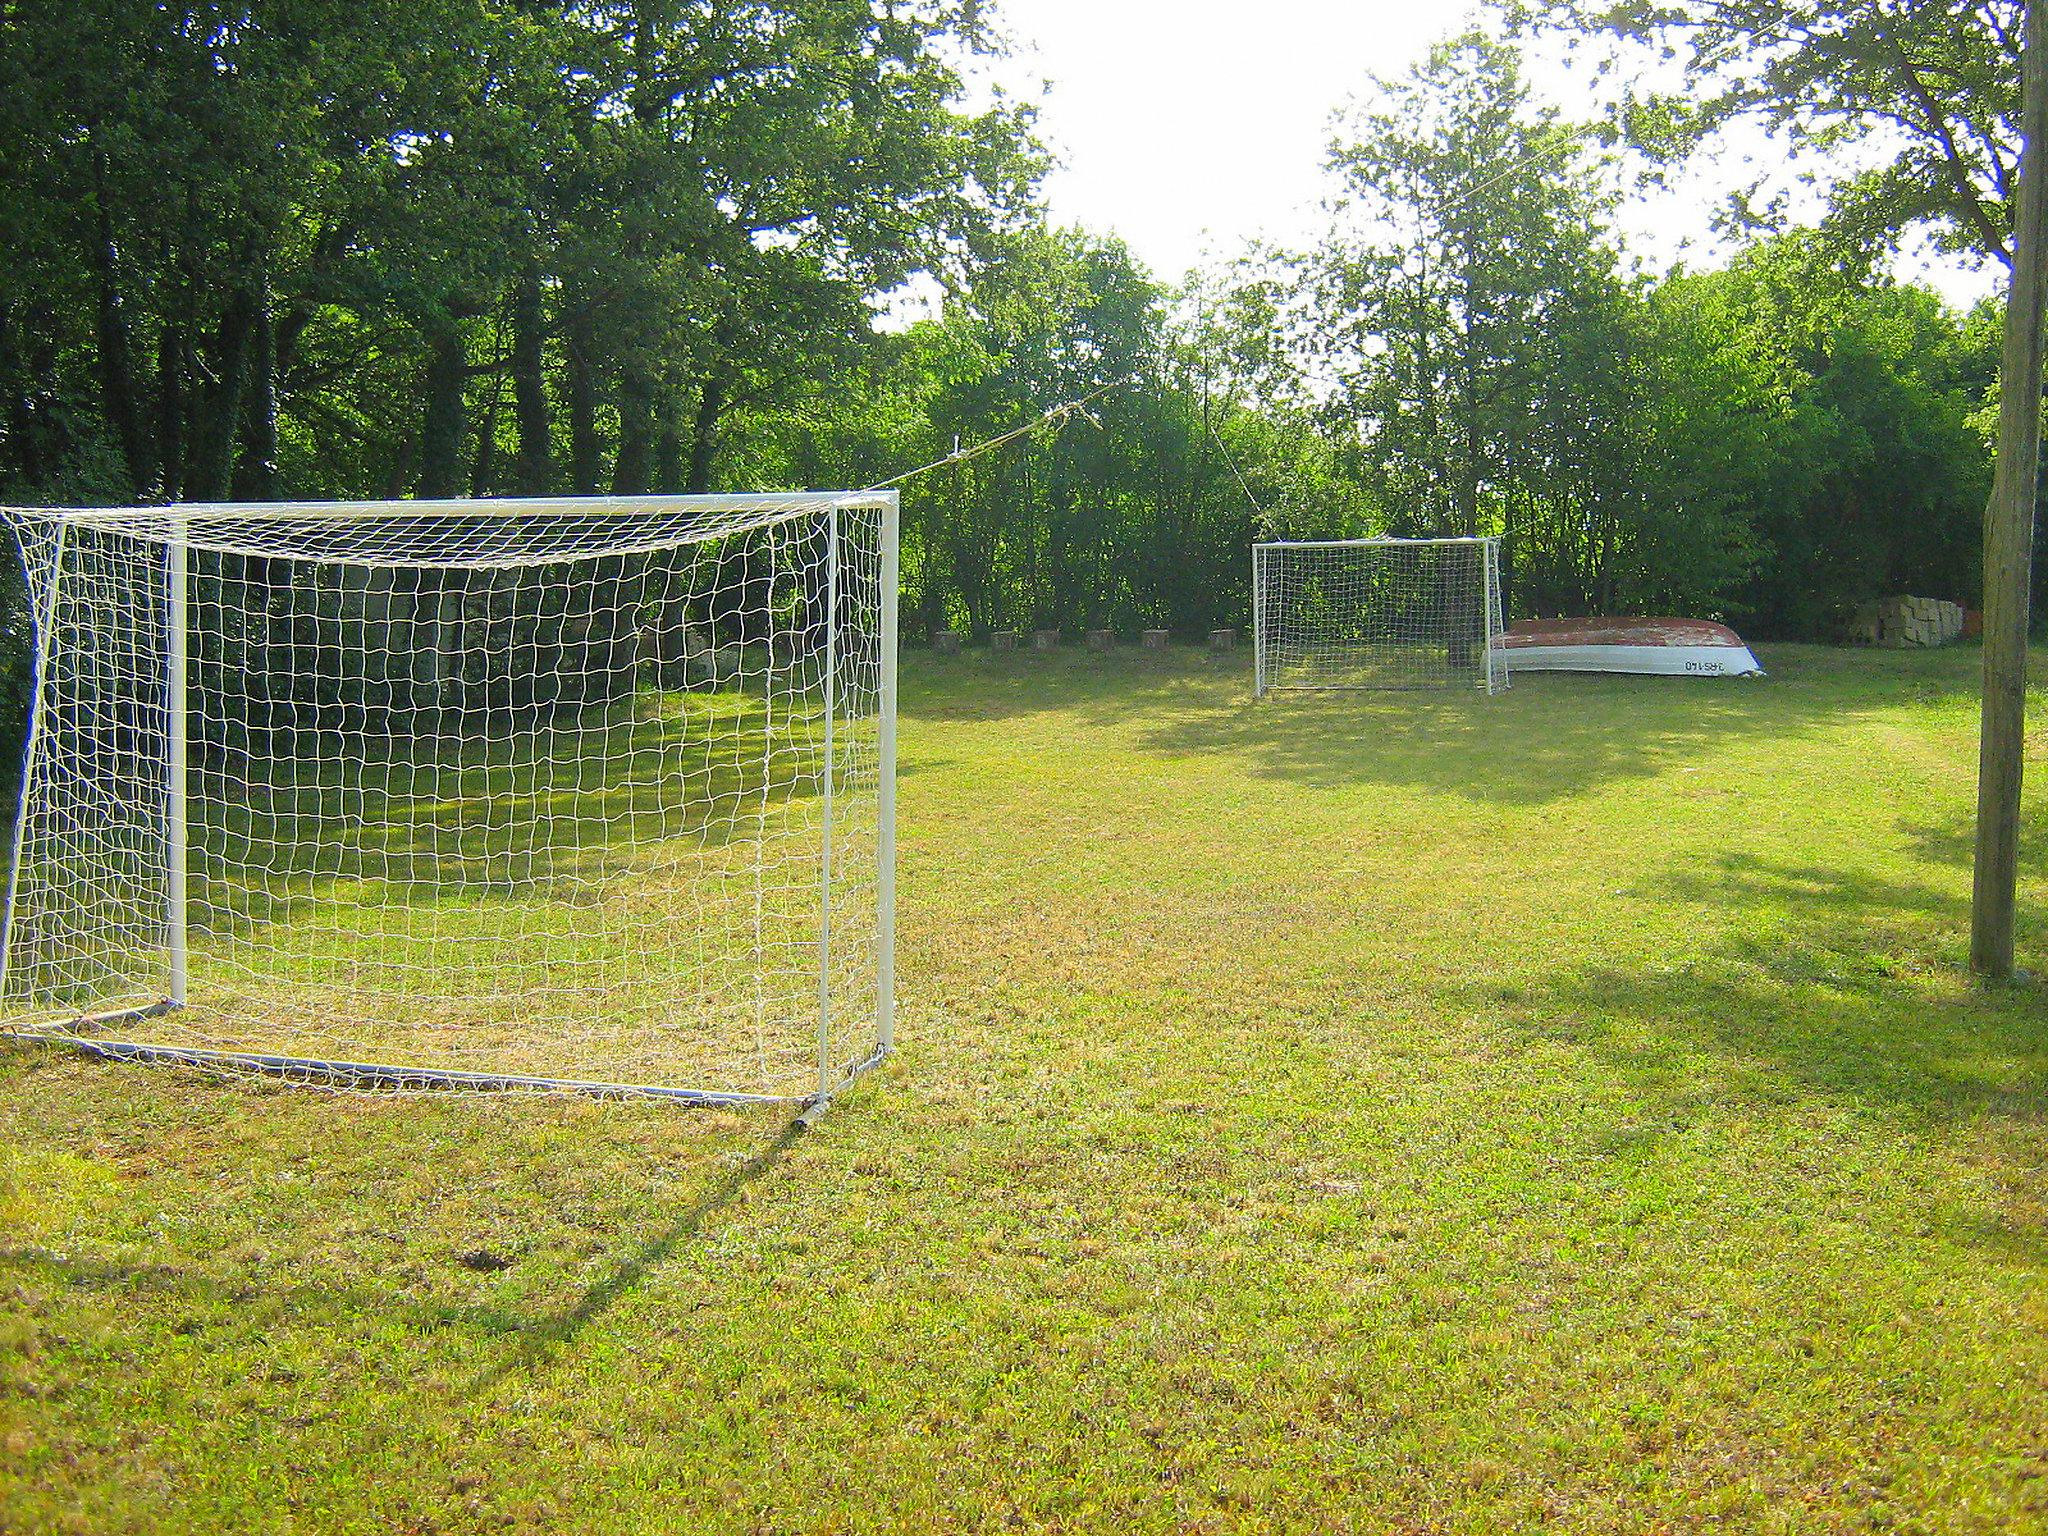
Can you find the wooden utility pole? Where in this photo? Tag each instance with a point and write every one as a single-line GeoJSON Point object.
{"type": "Point", "coordinates": [2009, 538]}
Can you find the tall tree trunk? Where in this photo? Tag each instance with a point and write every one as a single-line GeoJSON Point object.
{"type": "Point", "coordinates": [1469, 433]}
{"type": "Point", "coordinates": [442, 414]}
{"type": "Point", "coordinates": [704, 434]}
{"type": "Point", "coordinates": [650, 96]}
{"type": "Point", "coordinates": [256, 474]}
{"type": "Point", "coordinates": [586, 448]}
{"type": "Point", "coordinates": [209, 473]}
{"type": "Point", "coordinates": [483, 471]}
{"type": "Point", "coordinates": [674, 616]}
{"type": "Point", "coordinates": [534, 473]}
{"type": "Point", "coordinates": [434, 650]}
{"type": "Point", "coordinates": [399, 472]}
{"type": "Point", "coordinates": [636, 432]}
{"type": "Point", "coordinates": [115, 356]}
{"type": "Point", "coordinates": [2009, 539]}
{"type": "Point", "coordinates": [173, 369]}
{"type": "Point", "coordinates": [23, 389]}
{"type": "Point", "coordinates": [668, 454]}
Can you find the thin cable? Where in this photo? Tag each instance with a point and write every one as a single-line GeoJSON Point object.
{"type": "Point", "coordinates": [1229, 459]}
{"type": "Point", "coordinates": [1569, 140]}
{"type": "Point", "coordinates": [1054, 414]}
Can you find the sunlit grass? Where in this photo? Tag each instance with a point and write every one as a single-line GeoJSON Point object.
{"type": "Point", "coordinates": [1564, 1111]}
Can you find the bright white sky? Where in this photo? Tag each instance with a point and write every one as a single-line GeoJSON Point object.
{"type": "Point", "coordinates": [1191, 126]}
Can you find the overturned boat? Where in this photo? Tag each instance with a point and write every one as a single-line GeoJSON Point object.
{"type": "Point", "coordinates": [1660, 647]}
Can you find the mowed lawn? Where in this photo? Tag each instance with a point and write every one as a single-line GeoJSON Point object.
{"type": "Point", "coordinates": [1377, 1113]}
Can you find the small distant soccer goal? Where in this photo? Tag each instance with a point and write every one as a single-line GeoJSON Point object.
{"type": "Point", "coordinates": [1377, 613]}
{"type": "Point", "coordinates": [587, 795]}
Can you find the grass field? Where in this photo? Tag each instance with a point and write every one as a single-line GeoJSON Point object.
{"type": "Point", "coordinates": [1351, 1113]}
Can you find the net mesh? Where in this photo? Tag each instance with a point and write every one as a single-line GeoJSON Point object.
{"type": "Point", "coordinates": [1378, 613]}
{"type": "Point", "coordinates": [539, 795]}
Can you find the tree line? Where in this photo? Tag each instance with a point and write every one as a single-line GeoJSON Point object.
{"type": "Point", "coordinates": [1774, 440]}
{"type": "Point", "coordinates": [283, 248]}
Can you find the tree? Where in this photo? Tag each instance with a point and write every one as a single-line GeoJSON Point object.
{"type": "Point", "coordinates": [1483, 351]}
{"type": "Point", "coordinates": [773, 171]}
{"type": "Point", "coordinates": [1837, 408]}
{"type": "Point", "coordinates": [1931, 97]}
{"type": "Point", "coordinates": [1461, 240]}
{"type": "Point", "coordinates": [1911, 113]}
{"type": "Point", "coordinates": [2008, 537]}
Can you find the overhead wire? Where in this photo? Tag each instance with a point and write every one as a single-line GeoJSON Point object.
{"type": "Point", "coordinates": [1231, 459]}
{"type": "Point", "coordinates": [1051, 416]}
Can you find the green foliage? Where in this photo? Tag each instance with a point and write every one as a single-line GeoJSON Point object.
{"type": "Point", "coordinates": [309, 248]}
{"type": "Point", "coordinates": [292, 248]}
{"type": "Point", "coordinates": [1830, 417]}
{"type": "Point", "coordinates": [1486, 360]}
{"type": "Point", "coordinates": [1126, 515]}
{"type": "Point", "coordinates": [1467, 255]}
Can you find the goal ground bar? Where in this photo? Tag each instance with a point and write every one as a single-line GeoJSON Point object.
{"type": "Point", "coordinates": [365, 1074]}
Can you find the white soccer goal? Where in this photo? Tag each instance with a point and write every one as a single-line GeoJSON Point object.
{"type": "Point", "coordinates": [575, 795]}
{"type": "Point", "coordinates": [1377, 613]}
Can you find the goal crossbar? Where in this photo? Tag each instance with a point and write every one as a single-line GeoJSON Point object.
{"type": "Point", "coordinates": [450, 533]}
{"type": "Point", "coordinates": [1373, 543]}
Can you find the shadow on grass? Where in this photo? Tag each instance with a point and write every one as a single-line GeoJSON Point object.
{"type": "Point", "coordinates": [1550, 737]}
{"type": "Point", "coordinates": [336, 1306]}
{"type": "Point", "coordinates": [991, 685]}
{"type": "Point", "coordinates": [1838, 984]}
{"type": "Point", "coordinates": [1547, 739]}
{"type": "Point", "coordinates": [631, 1271]}
{"type": "Point", "coordinates": [1956, 844]}
{"type": "Point", "coordinates": [305, 1303]}
{"type": "Point", "coordinates": [534, 813]}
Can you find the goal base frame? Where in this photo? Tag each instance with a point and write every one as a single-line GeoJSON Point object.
{"type": "Point", "coordinates": [388, 1077]}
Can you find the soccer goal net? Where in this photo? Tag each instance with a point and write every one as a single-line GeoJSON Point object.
{"type": "Point", "coordinates": [580, 795]}
{"type": "Point", "coordinates": [1377, 613]}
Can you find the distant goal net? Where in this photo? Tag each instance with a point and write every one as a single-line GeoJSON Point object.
{"type": "Point", "coordinates": [585, 795]}
{"type": "Point", "coordinates": [1377, 613]}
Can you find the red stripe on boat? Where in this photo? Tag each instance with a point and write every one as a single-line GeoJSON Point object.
{"type": "Point", "coordinates": [1531, 632]}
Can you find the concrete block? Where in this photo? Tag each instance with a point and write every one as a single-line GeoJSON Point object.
{"type": "Point", "coordinates": [1918, 621]}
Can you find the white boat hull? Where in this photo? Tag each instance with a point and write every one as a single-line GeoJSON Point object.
{"type": "Point", "coordinates": [1654, 660]}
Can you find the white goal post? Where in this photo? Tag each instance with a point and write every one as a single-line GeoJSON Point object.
{"type": "Point", "coordinates": [586, 795]}
{"type": "Point", "coordinates": [1377, 613]}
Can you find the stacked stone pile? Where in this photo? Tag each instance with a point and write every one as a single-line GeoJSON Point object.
{"type": "Point", "coordinates": [1908, 621]}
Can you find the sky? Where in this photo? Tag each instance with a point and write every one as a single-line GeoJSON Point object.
{"type": "Point", "coordinates": [1189, 127]}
